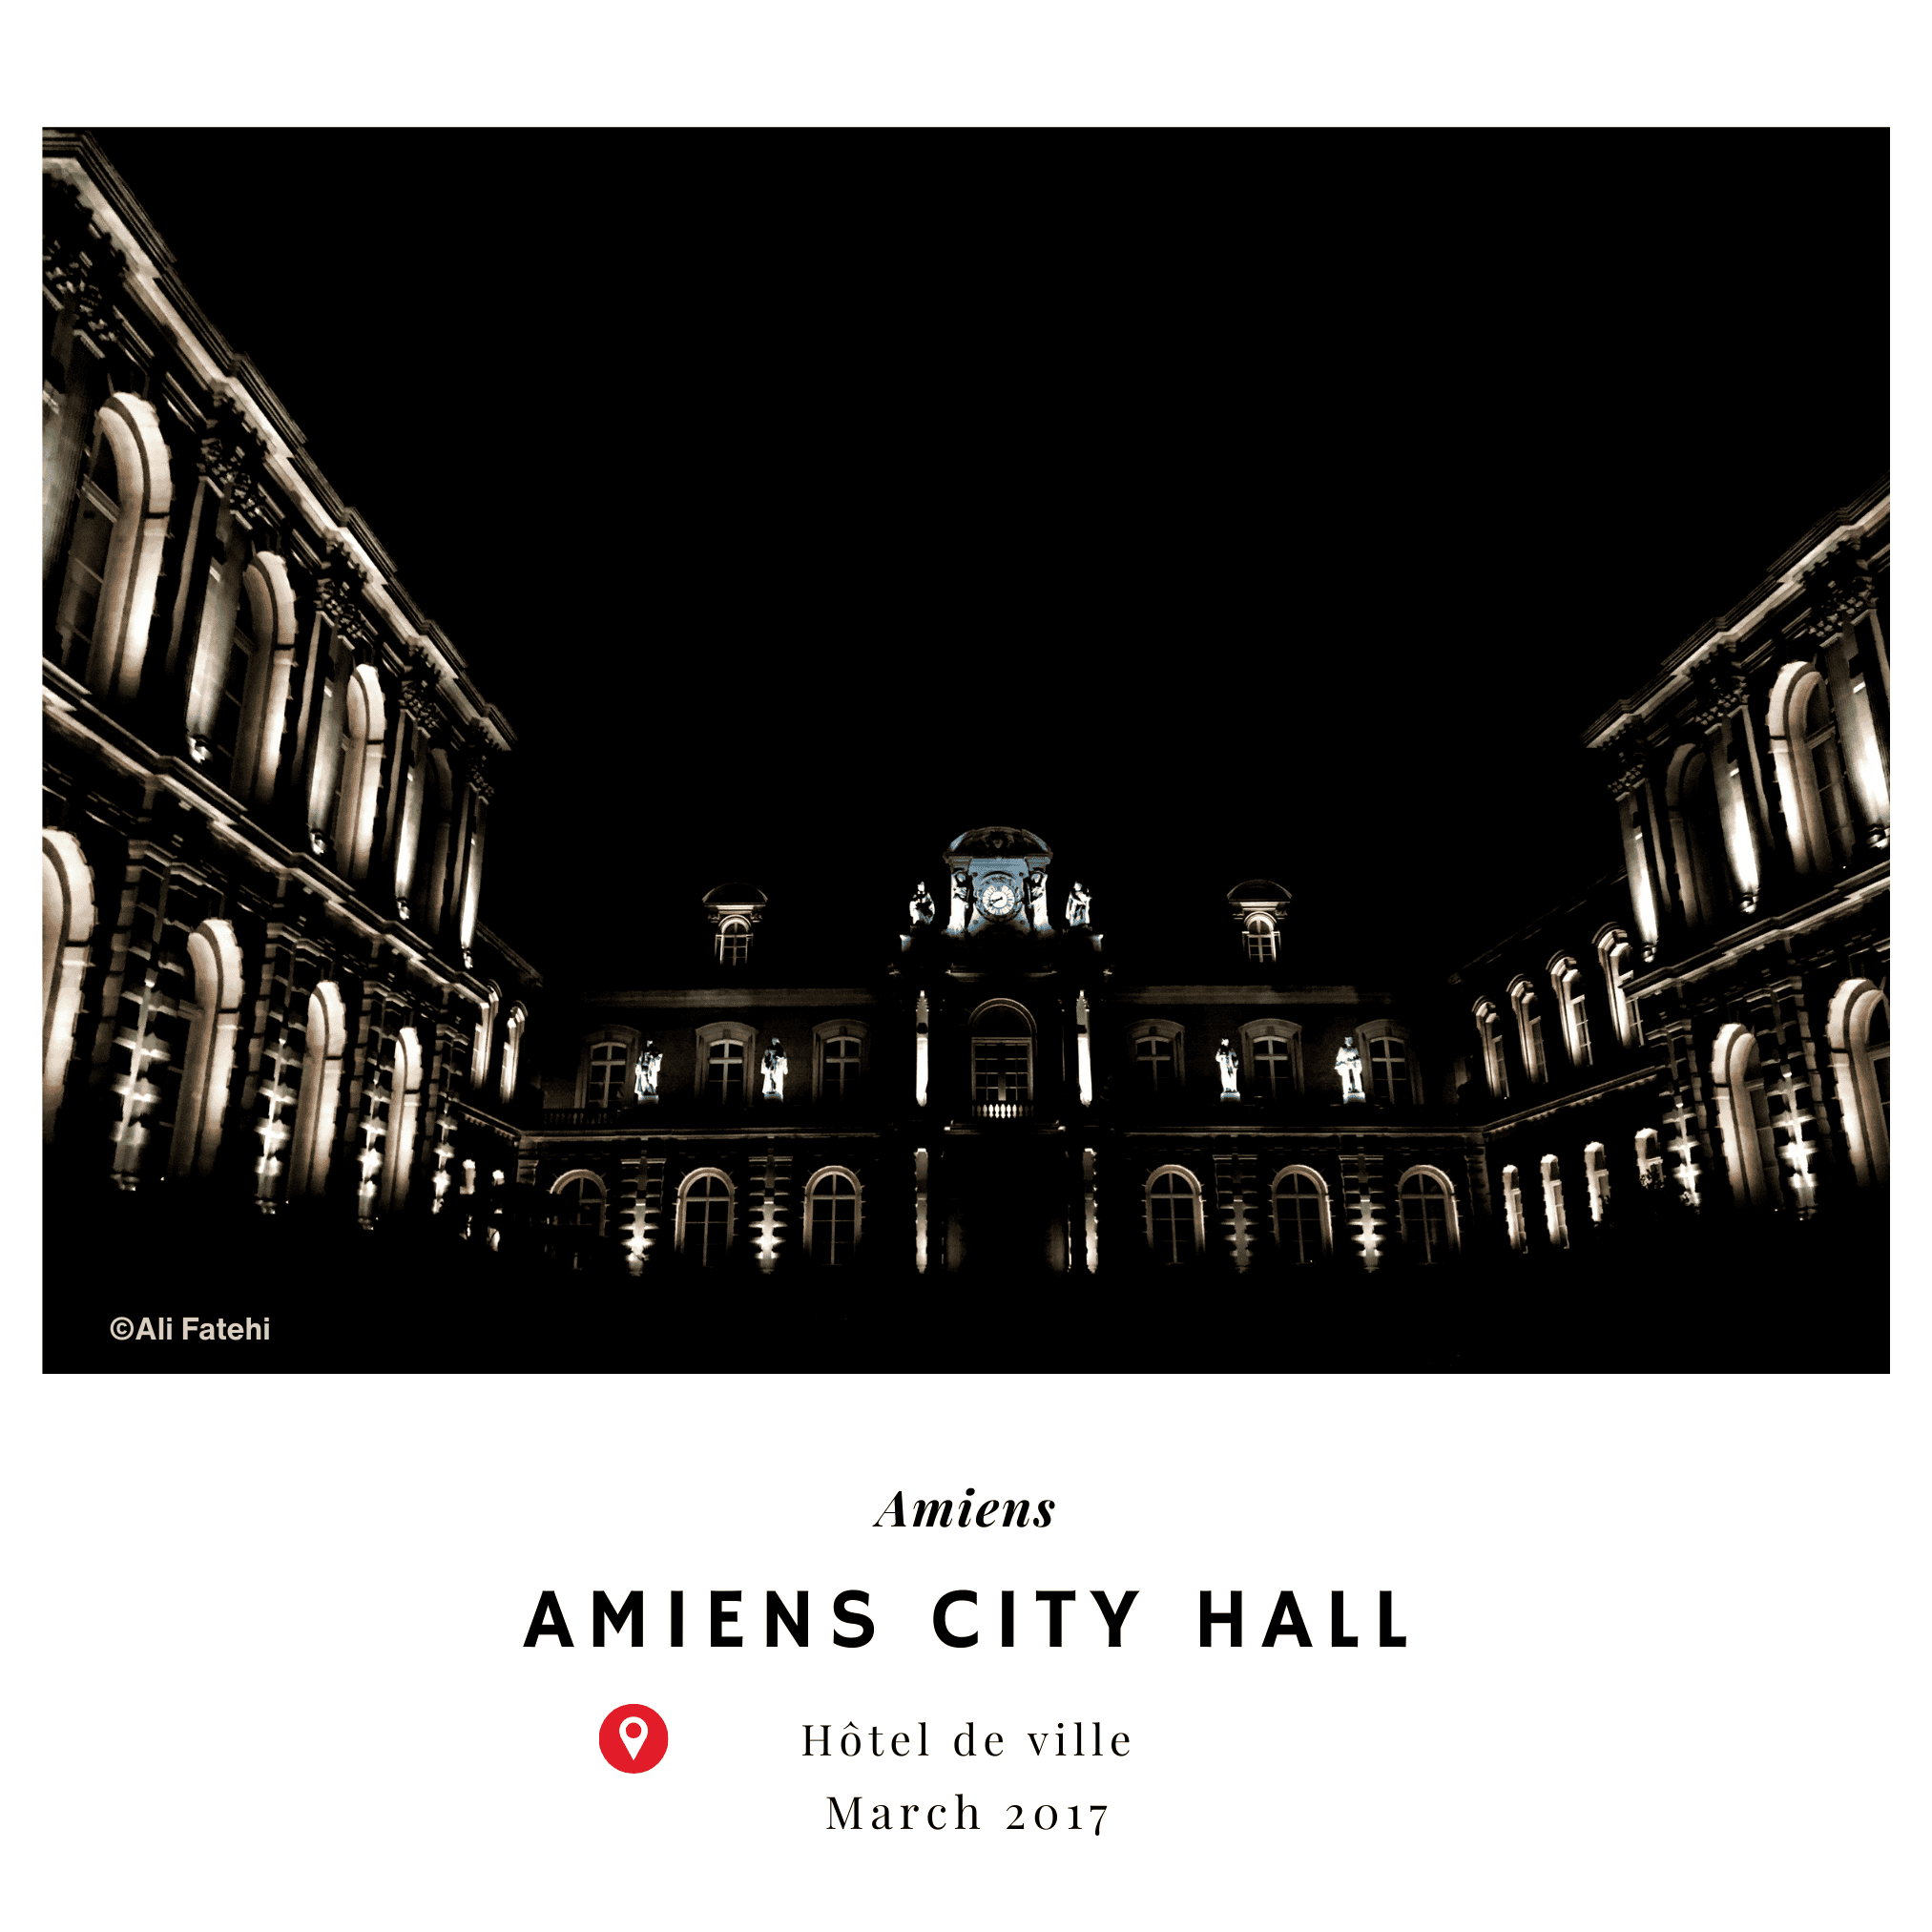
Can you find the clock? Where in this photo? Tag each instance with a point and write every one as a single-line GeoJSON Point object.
{"type": "Point", "coordinates": [999, 896]}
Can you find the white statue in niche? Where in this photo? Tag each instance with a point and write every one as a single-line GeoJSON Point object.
{"type": "Point", "coordinates": [1078, 902]}
{"type": "Point", "coordinates": [1036, 902]}
{"type": "Point", "coordinates": [1230, 1063]}
{"type": "Point", "coordinates": [1348, 1063]}
{"type": "Point", "coordinates": [775, 1066]}
{"type": "Point", "coordinates": [962, 902]}
{"type": "Point", "coordinates": [648, 1063]}
{"type": "Point", "coordinates": [923, 907]}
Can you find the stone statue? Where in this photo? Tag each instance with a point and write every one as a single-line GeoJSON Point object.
{"type": "Point", "coordinates": [774, 1066]}
{"type": "Point", "coordinates": [922, 905]}
{"type": "Point", "coordinates": [962, 902]}
{"type": "Point", "coordinates": [1230, 1063]}
{"type": "Point", "coordinates": [1077, 903]}
{"type": "Point", "coordinates": [1348, 1063]}
{"type": "Point", "coordinates": [1036, 902]}
{"type": "Point", "coordinates": [648, 1063]}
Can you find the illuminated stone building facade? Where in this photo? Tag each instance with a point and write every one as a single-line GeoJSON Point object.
{"type": "Point", "coordinates": [1714, 1015]}
{"type": "Point", "coordinates": [994, 1090]}
{"type": "Point", "coordinates": [266, 782]}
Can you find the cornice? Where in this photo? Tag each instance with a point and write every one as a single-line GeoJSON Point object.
{"type": "Point", "coordinates": [151, 284]}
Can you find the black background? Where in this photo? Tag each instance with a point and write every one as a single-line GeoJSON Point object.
{"type": "Point", "coordinates": [1212, 508]}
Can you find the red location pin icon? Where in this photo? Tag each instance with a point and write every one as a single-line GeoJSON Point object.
{"type": "Point", "coordinates": [633, 1738]}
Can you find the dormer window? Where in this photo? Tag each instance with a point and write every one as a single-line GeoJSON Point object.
{"type": "Point", "coordinates": [733, 910]}
{"type": "Point", "coordinates": [1258, 906]}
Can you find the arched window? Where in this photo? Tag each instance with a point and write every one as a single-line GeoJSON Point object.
{"type": "Point", "coordinates": [832, 1216]}
{"type": "Point", "coordinates": [483, 1044]}
{"type": "Point", "coordinates": [114, 555]}
{"type": "Point", "coordinates": [358, 774]}
{"type": "Point", "coordinates": [66, 927]}
{"type": "Point", "coordinates": [1002, 1061]}
{"type": "Point", "coordinates": [232, 695]}
{"type": "Point", "coordinates": [513, 1043]}
{"type": "Point", "coordinates": [1808, 754]}
{"type": "Point", "coordinates": [1696, 836]}
{"type": "Point", "coordinates": [399, 1136]}
{"type": "Point", "coordinates": [580, 1200]}
{"type": "Point", "coordinates": [1859, 1029]}
{"type": "Point", "coordinates": [1260, 939]}
{"type": "Point", "coordinates": [1553, 1216]}
{"type": "Point", "coordinates": [1271, 1050]}
{"type": "Point", "coordinates": [704, 1204]}
{"type": "Point", "coordinates": [1428, 1205]}
{"type": "Point", "coordinates": [1302, 1225]}
{"type": "Point", "coordinates": [1528, 1030]}
{"type": "Point", "coordinates": [315, 1108]}
{"type": "Point", "coordinates": [1393, 1077]}
{"type": "Point", "coordinates": [1614, 955]}
{"type": "Point", "coordinates": [1596, 1176]}
{"type": "Point", "coordinates": [439, 815]}
{"type": "Point", "coordinates": [1649, 1158]}
{"type": "Point", "coordinates": [1513, 1210]}
{"type": "Point", "coordinates": [208, 1060]}
{"type": "Point", "coordinates": [1174, 1230]}
{"type": "Point", "coordinates": [733, 942]}
{"type": "Point", "coordinates": [1489, 1029]}
{"type": "Point", "coordinates": [96, 516]}
{"type": "Point", "coordinates": [1744, 1117]}
{"type": "Point", "coordinates": [1567, 984]}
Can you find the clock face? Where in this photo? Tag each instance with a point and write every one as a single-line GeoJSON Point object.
{"type": "Point", "coordinates": [999, 896]}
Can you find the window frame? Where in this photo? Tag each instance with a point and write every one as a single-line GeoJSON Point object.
{"type": "Point", "coordinates": [714, 1033]}
{"type": "Point", "coordinates": [1199, 1212]}
{"type": "Point", "coordinates": [1390, 1032]}
{"type": "Point", "coordinates": [1528, 1030]}
{"type": "Point", "coordinates": [1289, 1031]}
{"type": "Point", "coordinates": [584, 1174]}
{"type": "Point", "coordinates": [833, 1172]}
{"type": "Point", "coordinates": [824, 1034]}
{"type": "Point", "coordinates": [1174, 1034]}
{"type": "Point", "coordinates": [1451, 1214]}
{"type": "Point", "coordinates": [1324, 1215]}
{"type": "Point", "coordinates": [684, 1187]}
{"type": "Point", "coordinates": [1495, 1061]}
{"type": "Point", "coordinates": [1566, 985]}
{"type": "Point", "coordinates": [627, 1037]}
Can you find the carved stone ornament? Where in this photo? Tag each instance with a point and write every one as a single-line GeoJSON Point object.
{"type": "Point", "coordinates": [1628, 758]}
{"type": "Point", "coordinates": [419, 689]}
{"type": "Point", "coordinates": [337, 596]}
{"type": "Point", "coordinates": [475, 771]}
{"type": "Point", "coordinates": [82, 268]}
{"type": "Point", "coordinates": [1839, 587]}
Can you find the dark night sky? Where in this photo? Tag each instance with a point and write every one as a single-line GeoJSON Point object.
{"type": "Point", "coordinates": [1287, 507]}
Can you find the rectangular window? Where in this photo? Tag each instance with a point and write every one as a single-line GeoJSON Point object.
{"type": "Point", "coordinates": [842, 1067]}
{"type": "Point", "coordinates": [1274, 1067]}
{"type": "Point", "coordinates": [1001, 1069]}
{"type": "Point", "coordinates": [724, 1073]}
{"type": "Point", "coordinates": [606, 1085]}
{"type": "Point", "coordinates": [1388, 1062]}
{"type": "Point", "coordinates": [1154, 1063]}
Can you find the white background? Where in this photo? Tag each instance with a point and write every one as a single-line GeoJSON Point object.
{"type": "Point", "coordinates": [1659, 1633]}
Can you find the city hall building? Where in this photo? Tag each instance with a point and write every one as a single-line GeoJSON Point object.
{"type": "Point", "coordinates": [267, 985]}
{"type": "Point", "coordinates": [267, 780]}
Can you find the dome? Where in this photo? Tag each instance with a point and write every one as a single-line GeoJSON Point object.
{"type": "Point", "coordinates": [1000, 841]}
{"type": "Point", "coordinates": [1259, 892]}
{"type": "Point", "coordinates": [734, 892]}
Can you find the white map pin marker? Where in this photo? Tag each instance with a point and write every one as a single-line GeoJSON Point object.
{"type": "Point", "coordinates": [632, 1732]}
